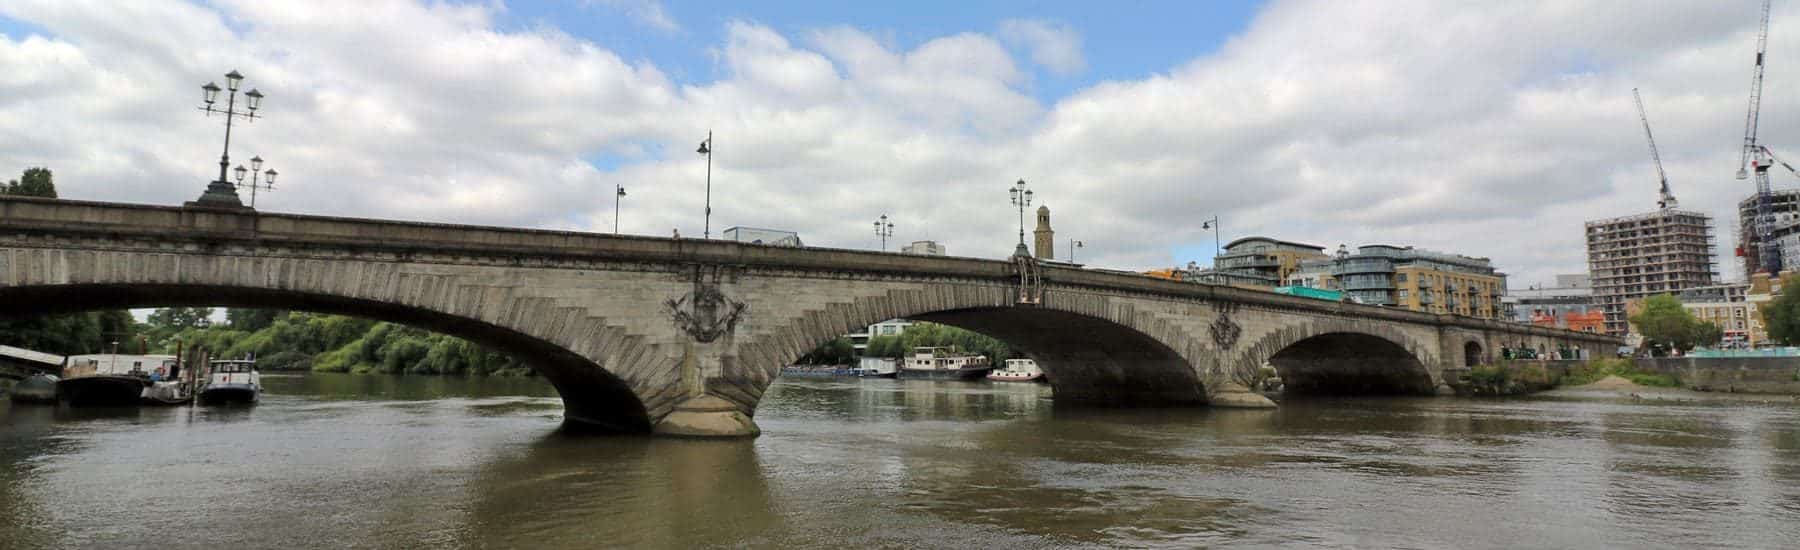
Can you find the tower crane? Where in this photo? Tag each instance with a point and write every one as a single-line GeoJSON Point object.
{"type": "Point", "coordinates": [1667, 199]}
{"type": "Point", "coordinates": [1757, 158]}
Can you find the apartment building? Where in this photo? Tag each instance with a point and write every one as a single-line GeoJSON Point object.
{"type": "Point", "coordinates": [1632, 257]}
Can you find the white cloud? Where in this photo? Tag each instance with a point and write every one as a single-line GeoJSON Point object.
{"type": "Point", "coordinates": [1055, 46]}
{"type": "Point", "coordinates": [1488, 129]}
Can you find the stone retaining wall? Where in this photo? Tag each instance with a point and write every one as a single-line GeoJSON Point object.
{"type": "Point", "coordinates": [1780, 375]}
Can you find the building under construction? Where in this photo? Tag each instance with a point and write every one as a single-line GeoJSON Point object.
{"type": "Point", "coordinates": [1633, 257]}
{"type": "Point", "coordinates": [1784, 209]}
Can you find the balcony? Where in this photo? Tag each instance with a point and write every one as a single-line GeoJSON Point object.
{"type": "Point", "coordinates": [1366, 265]}
{"type": "Point", "coordinates": [1367, 282]}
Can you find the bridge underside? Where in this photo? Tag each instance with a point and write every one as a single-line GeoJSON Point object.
{"type": "Point", "coordinates": [1351, 364]}
{"type": "Point", "coordinates": [1087, 360]}
{"type": "Point", "coordinates": [593, 399]}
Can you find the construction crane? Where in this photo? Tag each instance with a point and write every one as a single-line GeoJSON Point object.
{"type": "Point", "coordinates": [1667, 199]}
{"type": "Point", "coordinates": [1758, 159]}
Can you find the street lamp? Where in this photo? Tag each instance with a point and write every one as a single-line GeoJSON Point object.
{"type": "Point", "coordinates": [268, 178]}
{"type": "Point", "coordinates": [706, 149]}
{"type": "Point", "coordinates": [1073, 245]}
{"type": "Point", "coordinates": [1021, 197]}
{"type": "Point", "coordinates": [885, 229]}
{"type": "Point", "coordinates": [221, 193]}
{"type": "Point", "coordinates": [618, 193]}
{"type": "Point", "coordinates": [1213, 224]}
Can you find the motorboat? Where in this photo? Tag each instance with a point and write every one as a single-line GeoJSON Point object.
{"type": "Point", "coordinates": [232, 381]}
{"type": "Point", "coordinates": [1017, 370]}
{"type": "Point", "coordinates": [168, 393]}
{"type": "Point", "coordinates": [37, 388]}
{"type": "Point", "coordinates": [944, 364]}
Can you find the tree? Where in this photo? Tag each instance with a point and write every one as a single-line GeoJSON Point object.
{"type": "Point", "coordinates": [181, 317]}
{"type": "Point", "coordinates": [1707, 334]}
{"type": "Point", "coordinates": [839, 351]}
{"type": "Point", "coordinates": [71, 334]}
{"type": "Point", "coordinates": [36, 182]}
{"type": "Point", "coordinates": [885, 346]}
{"type": "Point", "coordinates": [252, 319]}
{"type": "Point", "coordinates": [1667, 325]}
{"type": "Point", "coordinates": [1782, 317]}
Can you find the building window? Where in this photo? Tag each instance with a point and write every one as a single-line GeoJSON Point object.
{"type": "Point", "coordinates": [1403, 293]}
{"type": "Point", "coordinates": [1400, 277]}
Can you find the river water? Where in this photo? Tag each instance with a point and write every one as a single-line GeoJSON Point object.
{"type": "Point", "coordinates": [431, 462]}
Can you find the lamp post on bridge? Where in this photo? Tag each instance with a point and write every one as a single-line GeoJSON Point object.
{"type": "Point", "coordinates": [221, 193]}
{"type": "Point", "coordinates": [706, 149]}
{"type": "Point", "coordinates": [885, 229]}
{"type": "Point", "coordinates": [1213, 224]}
{"type": "Point", "coordinates": [1073, 246]}
{"type": "Point", "coordinates": [618, 194]}
{"type": "Point", "coordinates": [1021, 197]}
{"type": "Point", "coordinates": [268, 178]}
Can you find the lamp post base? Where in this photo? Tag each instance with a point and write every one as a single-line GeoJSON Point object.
{"type": "Point", "coordinates": [218, 195]}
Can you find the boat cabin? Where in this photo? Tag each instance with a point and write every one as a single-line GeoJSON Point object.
{"type": "Point", "coordinates": [936, 358]}
{"type": "Point", "coordinates": [118, 364]}
{"type": "Point", "coordinates": [1022, 366]}
{"type": "Point", "coordinates": [233, 371]}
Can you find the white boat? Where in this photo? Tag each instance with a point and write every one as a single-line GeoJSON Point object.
{"type": "Point", "coordinates": [232, 381]}
{"type": "Point", "coordinates": [877, 367]}
{"type": "Point", "coordinates": [1018, 370]}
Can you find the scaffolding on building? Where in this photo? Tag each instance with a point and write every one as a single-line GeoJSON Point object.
{"type": "Point", "coordinates": [1659, 252]}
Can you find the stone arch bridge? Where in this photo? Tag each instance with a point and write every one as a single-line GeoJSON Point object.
{"type": "Point", "coordinates": [682, 337]}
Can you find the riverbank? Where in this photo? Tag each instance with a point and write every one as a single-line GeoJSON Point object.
{"type": "Point", "coordinates": [1618, 387]}
{"type": "Point", "coordinates": [1761, 376]}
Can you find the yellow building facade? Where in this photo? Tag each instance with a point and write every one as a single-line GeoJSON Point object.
{"type": "Point", "coordinates": [1404, 277]}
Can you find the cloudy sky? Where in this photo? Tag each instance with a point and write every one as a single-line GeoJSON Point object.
{"type": "Point", "coordinates": [1484, 128]}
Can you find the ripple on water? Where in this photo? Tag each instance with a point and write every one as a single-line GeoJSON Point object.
{"type": "Point", "coordinates": [395, 462]}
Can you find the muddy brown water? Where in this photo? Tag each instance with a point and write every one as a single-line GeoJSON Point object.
{"type": "Point", "coordinates": [336, 461]}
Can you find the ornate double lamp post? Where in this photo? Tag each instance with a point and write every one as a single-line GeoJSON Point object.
{"type": "Point", "coordinates": [885, 229]}
{"type": "Point", "coordinates": [1021, 197]}
{"type": "Point", "coordinates": [268, 178]}
{"type": "Point", "coordinates": [221, 193]}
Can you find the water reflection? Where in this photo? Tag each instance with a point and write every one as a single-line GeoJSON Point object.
{"type": "Point", "coordinates": [354, 461]}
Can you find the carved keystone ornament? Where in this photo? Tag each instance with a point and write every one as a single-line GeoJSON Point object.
{"type": "Point", "coordinates": [1225, 332]}
{"type": "Point", "coordinates": [705, 314]}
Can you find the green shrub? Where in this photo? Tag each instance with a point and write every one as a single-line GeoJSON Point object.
{"type": "Point", "coordinates": [1594, 370]}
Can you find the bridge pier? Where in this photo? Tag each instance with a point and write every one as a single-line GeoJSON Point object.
{"type": "Point", "coordinates": [707, 416]}
{"type": "Point", "coordinates": [1232, 395]}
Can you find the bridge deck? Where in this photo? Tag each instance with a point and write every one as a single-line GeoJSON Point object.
{"type": "Point", "coordinates": [52, 217]}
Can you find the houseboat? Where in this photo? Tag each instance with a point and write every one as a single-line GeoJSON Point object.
{"type": "Point", "coordinates": [944, 364]}
{"type": "Point", "coordinates": [232, 381]}
{"type": "Point", "coordinates": [1018, 370]}
{"type": "Point", "coordinates": [109, 380]}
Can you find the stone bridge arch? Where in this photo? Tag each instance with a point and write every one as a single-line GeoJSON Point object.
{"type": "Point", "coordinates": [610, 379]}
{"type": "Point", "coordinates": [1093, 349]}
{"type": "Point", "coordinates": [1331, 356]}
